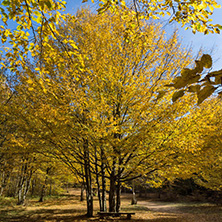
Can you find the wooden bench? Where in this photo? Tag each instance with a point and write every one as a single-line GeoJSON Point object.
{"type": "Point", "coordinates": [115, 214]}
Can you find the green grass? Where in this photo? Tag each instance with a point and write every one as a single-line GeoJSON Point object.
{"type": "Point", "coordinates": [7, 201]}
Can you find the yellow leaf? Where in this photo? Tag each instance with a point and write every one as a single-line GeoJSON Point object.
{"type": "Point", "coordinates": [211, 8]}
{"type": "Point", "coordinates": [29, 81]}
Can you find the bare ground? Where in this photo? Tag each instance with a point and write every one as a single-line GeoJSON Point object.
{"type": "Point", "coordinates": [68, 208]}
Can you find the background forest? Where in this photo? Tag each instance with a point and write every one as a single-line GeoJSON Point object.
{"type": "Point", "coordinates": [105, 102]}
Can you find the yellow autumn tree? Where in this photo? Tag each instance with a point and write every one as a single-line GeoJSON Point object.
{"type": "Point", "coordinates": [106, 115]}
{"type": "Point", "coordinates": [208, 162]}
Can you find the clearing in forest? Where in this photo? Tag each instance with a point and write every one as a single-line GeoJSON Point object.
{"type": "Point", "coordinates": [68, 208]}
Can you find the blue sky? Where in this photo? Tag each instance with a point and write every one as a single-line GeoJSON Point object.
{"type": "Point", "coordinates": [198, 40]}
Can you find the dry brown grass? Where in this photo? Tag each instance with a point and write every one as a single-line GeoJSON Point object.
{"type": "Point", "coordinates": [68, 208]}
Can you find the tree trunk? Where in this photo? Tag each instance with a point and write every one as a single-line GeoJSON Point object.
{"type": "Point", "coordinates": [20, 184]}
{"type": "Point", "coordinates": [104, 207]}
{"type": "Point", "coordinates": [50, 187]}
{"type": "Point", "coordinates": [44, 186]}
{"type": "Point", "coordinates": [5, 178]}
{"type": "Point", "coordinates": [134, 200]}
{"type": "Point", "coordinates": [27, 186]}
{"type": "Point", "coordinates": [33, 187]}
{"type": "Point", "coordinates": [97, 180]}
{"type": "Point", "coordinates": [88, 178]}
{"type": "Point", "coordinates": [20, 199]}
{"type": "Point", "coordinates": [118, 192]}
{"type": "Point", "coordinates": [112, 191]}
{"type": "Point", "coordinates": [82, 192]}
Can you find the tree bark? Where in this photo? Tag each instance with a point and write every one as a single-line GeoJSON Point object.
{"type": "Point", "coordinates": [134, 200]}
{"type": "Point", "coordinates": [5, 177]}
{"type": "Point", "coordinates": [112, 191]}
{"type": "Point", "coordinates": [20, 200]}
{"type": "Point", "coordinates": [88, 178]}
{"type": "Point", "coordinates": [82, 192]}
{"type": "Point", "coordinates": [118, 192]}
{"type": "Point", "coordinates": [104, 207]}
{"type": "Point", "coordinates": [20, 184]}
{"type": "Point", "coordinates": [33, 187]}
{"type": "Point", "coordinates": [43, 191]}
{"type": "Point", "coordinates": [97, 180]}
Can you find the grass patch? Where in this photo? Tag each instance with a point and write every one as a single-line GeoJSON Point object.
{"type": "Point", "coordinates": [7, 201]}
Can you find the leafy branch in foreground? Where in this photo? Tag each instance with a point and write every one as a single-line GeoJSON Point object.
{"type": "Point", "coordinates": [197, 81]}
{"type": "Point", "coordinates": [193, 14]}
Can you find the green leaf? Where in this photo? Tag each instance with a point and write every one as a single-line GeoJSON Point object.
{"type": "Point", "coordinates": [179, 82]}
{"type": "Point", "coordinates": [37, 13]}
{"type": "Point", "coordinates": [193, 79]}
{"type": "Point", "coordinates": [187, 73]}
{"type": "Point", "coordinates": [206, 61]}
{"type": "Point", "coordinates": [199, 66]}
{"type": "Point", "coordinates": [160, 94]}
{"type": "Point", "coordinates": [205, 93]}
{"type": "Point", "coordinates": [195, 88]}
{"type": "Point", "coordinates": [182, 81]}
{"type": "Point", "coordinates": [218, 80]}
{"type": "Point", "coordinates": [177, 95]}
{"type": "Point", "coordinates": [6, 3]}
{"type": "Point", "coordinates": [49, 5]}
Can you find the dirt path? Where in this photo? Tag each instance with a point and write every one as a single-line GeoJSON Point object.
{"type": "Point", "coordinates": [187, 212]}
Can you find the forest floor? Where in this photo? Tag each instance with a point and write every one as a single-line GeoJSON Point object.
{"type": "Point", "coordinates": [68, 208]}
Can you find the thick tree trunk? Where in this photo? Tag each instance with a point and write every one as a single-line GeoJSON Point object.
{"type": "Point", "coordinates": [118, 193]}
{"type": "Point", "coordinates": [114, 195]}
{"type": "Point", "coordinates": [97, 181]}
{"type": "Point", "coordinates": [33, 187]}
{"type": "Point", "coordinates": [50, 187]}
{"type": "Point", "coordinates": [104, 207]}
{"type": "Point", "coordinates": [23, 190]}
{"type": "Point", "coordinates": [82, 192]}
{"type": "Point", "coordinates": [88, 179]}
{"type": "Point", "coordinates": [112, 191]}
{"type": "Point", "coordinates": [27, 186]}
{"type": "Point", "coordinates": [118, 186]}
{"type": "Point", "coordinates": [134, 200]}
{"type": "Point", "coordinates": [20, 200]}
{"type": "Point", "coordinates": [44, 186]}
{"type": "Point", "coordinates": [24, 180]}
{"type": "Point", "coordinates": [20, 185]}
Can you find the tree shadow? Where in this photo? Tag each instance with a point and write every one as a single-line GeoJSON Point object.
{"type": "Point", "coordinates": [70, 215]}
{"type": "Point", "coordinates": [54, 214]}
{"type": "Point", "coordinates": [40, 215]}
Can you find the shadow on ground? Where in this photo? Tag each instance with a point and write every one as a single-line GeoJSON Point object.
{"type": "Point", "coordinates": [69, 215]}
{"type": "Point", "coordinates": [68, 208]}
